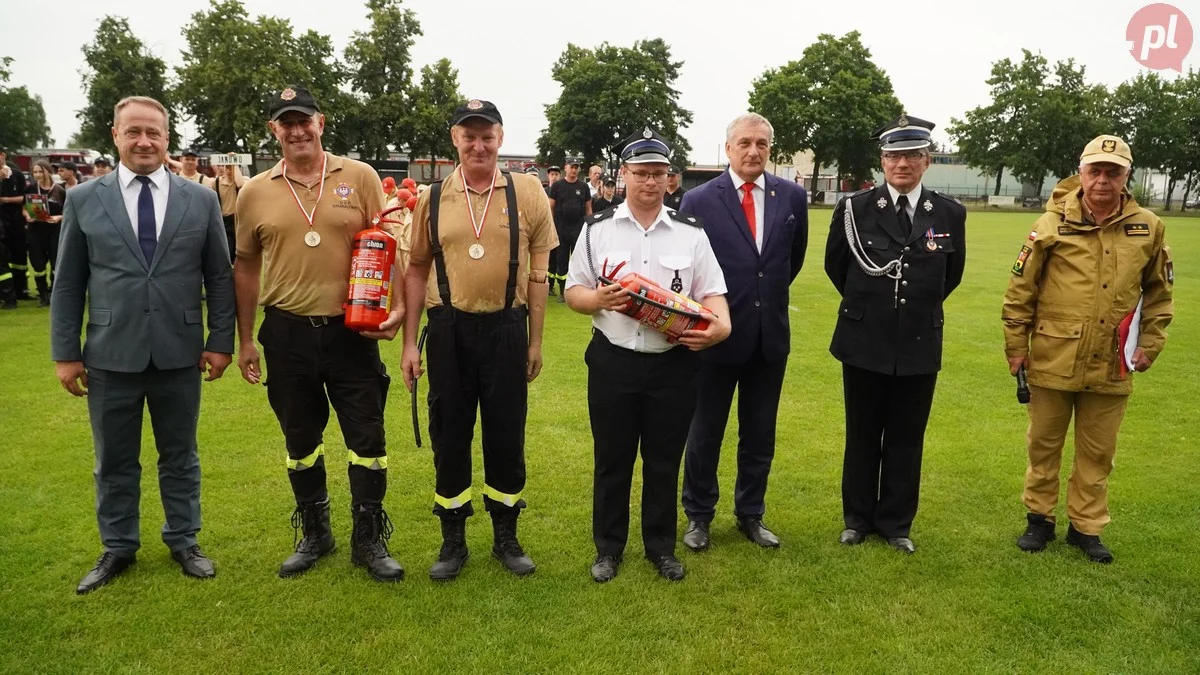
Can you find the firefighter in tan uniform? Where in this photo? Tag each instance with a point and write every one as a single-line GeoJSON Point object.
{"type": "Point", "coordinates": [1087, 262]}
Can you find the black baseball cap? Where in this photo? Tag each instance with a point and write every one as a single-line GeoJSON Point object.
{"type": "Point", "coordinates": [292, 97]}
{"type": "Point", "coordinates": [188, 152]}
{"type": "Point", "coordinates": [673, 170]}
{"type": "Point", "coordinates": [610, 182]}
{"type": "Point", "coordinates": [476, 108]}
{"type": "Point", "coordinates": [100, 161]}
{"type": "Point", "coordinates": [68, 165]}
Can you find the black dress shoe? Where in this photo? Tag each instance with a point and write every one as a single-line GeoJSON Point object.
{"type": "Point", "coordinates": [668, 567]}
{"type": "Point", "coordinates": [758, 533]}
{"type": "Point", "coordinates": [852, 537]}
{"type": "Point", "coordinates": [605, 568]}
{"type": "Point", "coordinates": [696, 537]}
{"type": "Point", "coordinates": [902, 544]}
{"type": "Point", "coordinates": [194, 562]}
{"type": "Point", "coordinates": [1089, 544]}
{"type": "Point", "coordinates": [108, 566]}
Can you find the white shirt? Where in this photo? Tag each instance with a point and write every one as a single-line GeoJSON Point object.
{"type": "Point", "coordinates": [760, 203]}
{"type": "Point", "coordinates": [914, 195]}
{"type": "Point", "coordinates": [660, 253]}
{"type": "Point", "coordinates": [131, 188]}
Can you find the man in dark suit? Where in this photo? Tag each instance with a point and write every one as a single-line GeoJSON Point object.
{"type": "Point", "coordinates": [758, 226]}
{"type": "Point", "coordinates": [894, 253]}
{"type": "Point", "coordinates": [141, 245]}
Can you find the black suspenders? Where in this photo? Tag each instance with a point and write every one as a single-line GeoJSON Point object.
{"type": "Point", "coordinates": [514, 242]}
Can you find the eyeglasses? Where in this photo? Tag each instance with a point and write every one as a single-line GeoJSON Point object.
{"type": "Point", "coordinates": [643, 176]}
{"type": "Point", "coordinates": [912, 156]}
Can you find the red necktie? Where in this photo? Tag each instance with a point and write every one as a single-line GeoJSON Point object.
{"type": "Point", "coordinates": [748, 208]}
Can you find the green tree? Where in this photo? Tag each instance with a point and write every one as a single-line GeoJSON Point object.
{"type": "Point", "coordinates": [828, 102]}
{"type": "Point", "coordinates": [1153, 118]}
{"type": "Point", "coordinates": [609, 93]}
{"type": "Point", "coordinates": [118, 64]}
{"type": "Point", "coordinates": [981, 141]}
{"type": "Point", "coordinates": [433, 104]}
{"type": "Point", "coordinates": [1188, 93]}
{"type": "Point", "coordinates": [380, 64]}
{"type": "Point", "coordinates": [22, 117]}
{"type": "Point", "coordinates": [225, 82]}
{"type": "Point", "coordinates": [1038, 121]}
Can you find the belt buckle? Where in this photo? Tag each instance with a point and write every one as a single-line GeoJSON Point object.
{"type": "Point", "coordinates": [317, 321]}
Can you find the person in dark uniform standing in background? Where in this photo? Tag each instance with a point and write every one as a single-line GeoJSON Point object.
{"type": "Point", "coordinates": [295, 233]}
{"type": "Point", "coordinates": [608, 197]}
{"type": "Point", "coordinates": [570, 202]}
{"type": "Point", "coordinates": [674, 195]}
{"type": "Point", "coordinates": [642, 388]}
{"type": "Point", "coordinates": [13, 252]}
{"type": "Point", "coordinates": [553, 174]}
{"type": "Point", "coordinates": [894, 253]}
{"type": "Point", "coordinates": [488, 235]}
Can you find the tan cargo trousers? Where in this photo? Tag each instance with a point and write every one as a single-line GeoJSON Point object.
{"type": "Point", "coordinates": [1097, 420]}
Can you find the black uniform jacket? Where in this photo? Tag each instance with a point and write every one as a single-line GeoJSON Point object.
{"type": "Point", "coordinates": [886, 325]}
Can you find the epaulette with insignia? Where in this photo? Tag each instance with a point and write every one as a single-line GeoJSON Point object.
{"type": "Point", "coordinates": [602, 215]}
{"type": "Point", "coordinates": [685, 218]}
{"type": "Point", "coordinates": [948, 198]}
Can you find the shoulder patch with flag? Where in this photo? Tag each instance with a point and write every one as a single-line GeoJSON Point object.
{"type": "Point", "coordinates": [1018, 267]}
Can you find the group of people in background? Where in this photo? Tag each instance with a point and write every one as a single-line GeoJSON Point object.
{"type": "Point", "coordinates": [145, 250]}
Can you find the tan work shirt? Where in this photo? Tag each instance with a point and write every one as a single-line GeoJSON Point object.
{"type": "Point", "coordinates": [1072, 284]}
{"type": "Point", "coordinates": [478, 285]}
{"type": "Point", "coordinates": [227, 194]}
{"type": "Point", "coordinates": [304, 280]}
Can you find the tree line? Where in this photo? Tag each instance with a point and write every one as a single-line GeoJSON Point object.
{"type": "Point", "coordinates": [827, 102]}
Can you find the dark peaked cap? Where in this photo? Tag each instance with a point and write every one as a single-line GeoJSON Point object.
{"type": "Point", "coordinates": [904, 133]}
{"type": "Point", "coordinates": [644, 147]}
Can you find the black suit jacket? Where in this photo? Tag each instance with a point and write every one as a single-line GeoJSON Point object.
{"type": "Point", "coordinates": [894, 326]}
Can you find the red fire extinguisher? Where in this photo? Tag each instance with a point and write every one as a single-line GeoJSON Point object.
{"type": "Point", "coordinates": [368, 301]}
{"type": "Point", "coordinates": [665, 311]}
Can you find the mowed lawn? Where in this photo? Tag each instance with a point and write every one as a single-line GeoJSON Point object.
{"type": "Point", "coordinates": [968, 601]}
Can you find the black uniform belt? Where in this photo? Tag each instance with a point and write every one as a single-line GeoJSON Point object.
{"type": "Point", "coordinates": [314, 321]}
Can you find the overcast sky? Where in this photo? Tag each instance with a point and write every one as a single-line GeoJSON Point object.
{"type": "Point", "coordinates": [937, 53]}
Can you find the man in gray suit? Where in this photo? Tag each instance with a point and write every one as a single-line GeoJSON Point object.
{"type": "Point", "coordinates": [142, 246]}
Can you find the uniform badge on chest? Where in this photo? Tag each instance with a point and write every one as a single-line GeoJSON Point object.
{"type": "Point", "coordinates": [677, 283]}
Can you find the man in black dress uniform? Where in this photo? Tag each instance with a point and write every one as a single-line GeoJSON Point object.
{"type": "Point", "coordinates": [674, 196]}
{"type": "Point", "coordinates": [895, 253]}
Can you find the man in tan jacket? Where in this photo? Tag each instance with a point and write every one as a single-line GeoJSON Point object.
{"type": "Point", "coordinates": [1083, 269]}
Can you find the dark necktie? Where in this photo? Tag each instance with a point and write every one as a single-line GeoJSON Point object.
{"type": "Point", "coordinates": [902, 214]}
{"type": "Point", "coordinates": [147, 229]}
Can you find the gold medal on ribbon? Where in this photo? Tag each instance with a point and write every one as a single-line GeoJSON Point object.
{"type": "Point", "coordinates": [476, 251]}
{"type": "Point", "coordinates": [312, 238]}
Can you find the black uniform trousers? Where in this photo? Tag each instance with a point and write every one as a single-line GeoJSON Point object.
{"type": "Point", "coordinates": [886, 417]}
{"type": "Point", "coordinates": [758, 383]}
{"type": "Point", "coordinates": [18, 252]}
{"type": "Point", "coordinates": [478, 361]}
{"type": "Point", "coordinates": [313, 362]}
{"type": "Point", "coordinates": [638, 398]}
{"type": "Point", "coordinates": [43, 252]}
{"type": "Point", "coordinates": [560, 257]}
{"type": "Point", "coordinates": [231, 236]}
{"type": "Point", "coordinates": [116, 404]}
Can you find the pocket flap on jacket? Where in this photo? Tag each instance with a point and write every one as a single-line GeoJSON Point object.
{"type": "Point", "coordinates": [851, 312]}
{"type": "Point", "coordinates": [100, 317]}
{"type": "Point", "coordinates": [193, 316]}
{"type": "Point", "coordinates": [675, 262]}
{"type": "Point", "coordinates": [1059, 329]}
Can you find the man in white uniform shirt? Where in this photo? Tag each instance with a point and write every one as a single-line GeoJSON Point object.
{"type": "Point", "coordinates": [633, 369]}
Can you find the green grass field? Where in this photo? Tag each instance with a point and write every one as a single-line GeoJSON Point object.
{"type": "Point", "coordinates": [968, 601]}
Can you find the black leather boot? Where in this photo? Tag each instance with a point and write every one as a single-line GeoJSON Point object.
{"type": "Point", "coordinates": [313, 519]}
{"type": "Point", "coordinates": [454, 552]}
{"type": "Point", "coordinates": [1038, 533]}
{"type": "Point", "coordinates": [507, 549]}
{"type": "Point", "coordinates": [372, 529]}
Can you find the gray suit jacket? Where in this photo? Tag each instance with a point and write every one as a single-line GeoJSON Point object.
{"type": "Point", "coordinates": [141, 313]}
